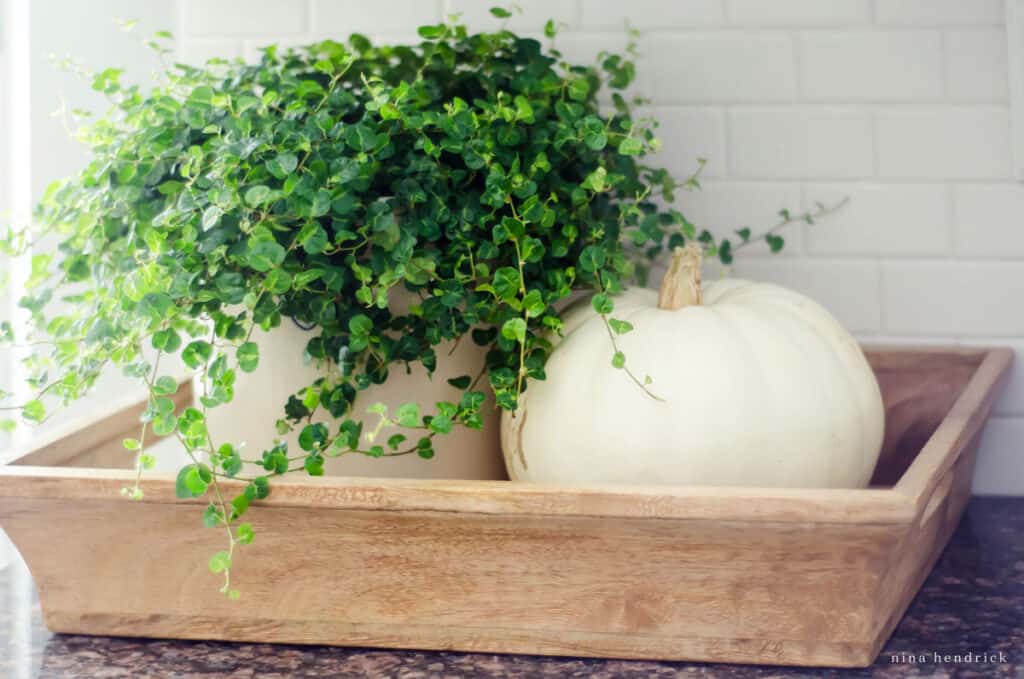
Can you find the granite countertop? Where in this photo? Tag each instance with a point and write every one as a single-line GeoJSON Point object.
{"type": "Point", "coordinates": [973, 602]}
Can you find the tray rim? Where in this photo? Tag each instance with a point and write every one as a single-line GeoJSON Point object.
{"type": "Point", "coordinates": [899, 504]}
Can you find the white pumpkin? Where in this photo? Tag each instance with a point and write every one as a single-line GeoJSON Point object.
{"type": "Point", "coordinates": [759, 386]}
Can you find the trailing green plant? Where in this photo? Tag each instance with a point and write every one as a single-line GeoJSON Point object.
{"type": "Point", "coordinates": [478, 172]}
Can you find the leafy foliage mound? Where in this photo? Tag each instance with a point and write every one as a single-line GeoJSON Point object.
{"type": "Point", "coordinates": [476, 172]}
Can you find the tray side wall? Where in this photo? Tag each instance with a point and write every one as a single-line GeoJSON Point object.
{"type": "Point", "coordinates": [938, 483]}
{"type": "Point", "coordinates": [641, 588]}
{"type": "Point", "coordinates": [916, 554]}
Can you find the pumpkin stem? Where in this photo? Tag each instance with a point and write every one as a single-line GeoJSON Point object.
{"type": "Point", "coordinates": [681, 285]}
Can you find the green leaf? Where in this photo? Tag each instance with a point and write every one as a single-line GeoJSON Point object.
{"type": "Point", "coordinates": [313, 436]}
{"type": "Point", "coordinates": [620, 327]}
{"type": "Point", "coordinates": [533, 249]}
{"type": "Point", "coordinates": [461, 382]}
{"type": "Point", "coordinates": [131, 444]}
{"type": "Point", "coordinates": [192, 481]}
{"type": "Point", "coordinates": [361, 137]}
{"type": "Point", "coordinates": [596, 180]}
{"type": "Point", "coordinates": [631, 147]}
{"type": "Point", "coordinates": [258, 488]}
{"type": "Point", "coordinates": [34, 411]}
{"type": "Point", "coordinates": [596, 140]}
{"type": "Point", "coordinates": [579, 89]}
{"type": "Point", "coordinates": [277, 282]}
{"type": "Point", "coordinates": [303, 278]}
{"type": "Point", "coordinates": [314, 465]}
{"type": "Point", "coordinates": [231, 287]}
{"type": "Point", "coordinates": [211, 216]}
{"type": "Point", "coordinates": [165, 385]}
{"type": "Point", "coordinates": [360, 325]}
{"type": "Point", "coordinates": [725, 252]}
{"type": "Point", "coordinates": [602, 303]}
{"type": "Point", "coordinates": [244, 533]}
{"type": "Point", "coordinates": [311, 398]}
{"type": "Point", "coordinates": [275, 460]}
{"type": "Point", "coordinates": [156, 306]}
{"type": "Point", "coordinates": [196, 354]}
{"type": "Point", "coordinates": [248, 356]}
{"type": "Point", "coordinates": [257, 195]}
{"type": "Point", "coordinates": [619, 360]}
{"type": "Point", "coordinates": [288, 162]}
{"type": "Point", "coordinates": [592, 258]}
{"type": "Point", "coordinates": [220, 562]}
{"type": "Point", "coordinates": [212, 517]}
{"type": "Point", "coordinates": [163, 405]}
{"type": "Point", "coordinates": [167, 341]}
{"type": "Point", "coordinates": [239, 505]}
{"type": "Point", "coordinates": [419, 270]}
{"type": "Point", "coordinates": [500, 12]}
{"type": "Point", "coordinates": [440, 424]}
{"type": "Point", "coordinates": [775, 243]}
{"type": "Point", "coordinates": [425, 448]}
{"type": "Point", "coordinates": [431, 32]}
{"type": "Point", "coordinates": [313, 238]}
{"type": "Point", "coordinates": [164, 425]}
{"type": "Point", "coordinates": [514, 329]}
{"type": "Point", "coordinates": [230, 460]}
{"type": "Point", "coordinates": [264, 255]}
{"type": "Point", "coordinates": [506, 283]}
{"type": "Point", "coordinates": [524, 110]}
{"type": "Point", "coordinates": [408, 415]}
{"type": "Point", "coordinates": [534, 304]}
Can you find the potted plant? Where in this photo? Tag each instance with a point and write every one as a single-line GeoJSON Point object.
{"type": "Point", "coordinates": [362, 210]}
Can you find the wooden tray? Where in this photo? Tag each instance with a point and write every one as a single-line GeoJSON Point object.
{"type": "Point", "coordinates": [778, 576]}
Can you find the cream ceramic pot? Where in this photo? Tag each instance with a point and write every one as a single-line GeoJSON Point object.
{"type": "Point", "coordinates": [760, 386]}
{"type": "Point", "coordinates": [260, 397]}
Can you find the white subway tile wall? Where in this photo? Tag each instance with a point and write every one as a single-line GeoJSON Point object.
{"type": "Point", "coordinates": [789, 13]}
{"type": "Point", "coordinates": [988, 220]}
{"type": "Point", "coordinates": [938, 12]}
{"type": "Point", "coordinates": [859, 66]}
{"type": "Point", "coordinates": [899, 104]}
{"type": "Point", "coordinates": [943, 142]}
{"type": "Point", "coordinates": [999, 469]}
{"type": "Point", "coordinates": [650, 15]}
{"type": "Point", "coordinates": [798, 142]}
{"type": "Point", "coordinates": [720, 67]}
{"type": "Point", "coordinates": [948, 298]}
{"type": "Point", "coordinates": [244, 17]}
{"type": "Point", "coordinates": [976, 65]}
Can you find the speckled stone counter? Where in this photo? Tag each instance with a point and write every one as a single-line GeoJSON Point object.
{"type": "Point", "coordinates": [973, 603]}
